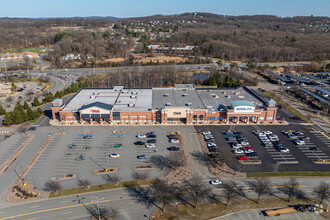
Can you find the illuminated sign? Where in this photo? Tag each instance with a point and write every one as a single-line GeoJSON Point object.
{"type": "Point", "coordinates": [95, 111]}
{"type": "Point", "coordinates": [176, 113]}
{"type": "Point", "coordinates": [244, 109]}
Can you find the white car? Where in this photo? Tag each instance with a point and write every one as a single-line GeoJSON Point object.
{"type": "Point", "coordinates": [236, 146]}
{"type": "Point", "coordinates": [141, 136]}
{"type": "Point", "coordinates": [150, 146]}
{"type": "Point", "coordinates": [268, 132]}
{"type": "Point", "coordinates": [261, 135]}
{"type": "Point", "coordinates": [284, 150]}
{"type": "Point", "coordinates": [114, 155]}
{"type": "Point", "coordinates": [238, 151]}
{"type": "Point", "coordinates": [206, 132]}
{"type": "Point", "coordinates": [174, 141]}
{"type": "Point", "coordinates": [273, 139]}
{"type": "Point", "coordinates": [245, 143]}
{"type": "Point", "coordinates": [211, 145]}
{"type": "Point", "coordinates": [216, 182]}
{"type": "Point", "coordinates": [300, 142]}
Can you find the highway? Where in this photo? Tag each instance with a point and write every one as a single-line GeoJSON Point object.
{"type": "Point", "coordinates": [120, 199]}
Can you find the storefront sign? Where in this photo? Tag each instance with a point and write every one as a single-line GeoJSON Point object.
{"type": "Point", "coordinates": [244, 109]}
{"type": "Point", "coordinates": [95, 111]}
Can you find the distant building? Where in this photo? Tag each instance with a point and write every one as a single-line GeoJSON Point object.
{"type": "Point", "coordinates": [71, 56]}
{"type": "Point", "coordinates": [17, 56]}
{"type": "Point", "coordinates": [160, 49]}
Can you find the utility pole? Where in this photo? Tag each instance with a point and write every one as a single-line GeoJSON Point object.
{"type": "Point", "coordinates": [98, 206]}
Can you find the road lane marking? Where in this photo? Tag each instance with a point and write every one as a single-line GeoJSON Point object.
{"type": "Point", "coordinates": [36, 206]}
{"type": "Point", "coordinates": [64, 201]}
{"type": "Point", "coordinates": [52, 209]}
{"type": "Point", "coordinates": [65, 213]}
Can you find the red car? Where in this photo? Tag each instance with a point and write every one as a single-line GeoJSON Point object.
{"type": "Point", "coordinates": [248, 148]}
{"type": "Point", "coordinates": [243, 158]}
{"type": "Point", "coordinates": [296, 118]}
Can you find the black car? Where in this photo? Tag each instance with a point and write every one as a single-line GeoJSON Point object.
{"type": "Point", "coordinates": [302, 208]}
{"type": "Point", "coordinates": [143, 156]}
{"type": "Point", "coordinates": [172, 136]}
{"type": "Point", "coordinates": [173, 148]}
{"type": "Point", "coordinates": [33, 128]}
{"type": "Point", "coordinates": [151, 134]}
{"type": "Point", "coordinates": [139, 143]}
{"type": "Point", "coordinates": [210, 140]}
{"type": "Point", "coordinates": [213, 149]}
{"type": "Point", "coordinates": [152, 141]}
{"type": "Point", "coordinates": [315, 148]}
{"type": "Point", "coordinates": [252, 154]}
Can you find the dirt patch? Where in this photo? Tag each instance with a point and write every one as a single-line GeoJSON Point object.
{"type": "Point", "coordinates": [106, 171]}
{"type": "Point", "coordinates": [22, 193]}
{"type": "Point", "coordinates": [66, 177]}
{"type": "Point", "coordinates": [144, 167]}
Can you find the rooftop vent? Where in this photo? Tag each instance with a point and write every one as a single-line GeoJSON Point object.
{"type": "Point", "coordinates": [92, 97]}
{"type": "Point", "coordinates": [134, 93]}
{"type": "Point", "coordinates": [166, 95]}
{"type": "Point", "coordinates": [189, 104]}
{"type": "Point", "coordinates": [168, 104]}
{"type": "Point", "coordinates": [133, 96]}
{"type": "Point", "coordinates": [184, 94]}
{"type": "Point", "coordinates": [96, 93]}
{"type": "Point", "coordinates": [131, 105]}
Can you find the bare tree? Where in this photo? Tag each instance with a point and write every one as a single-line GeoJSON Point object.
{"type": "Point", "coordinates": [291, 187]}
{"type": "Point", "coordinates": [141, 175]}
{"type": "Point", "coordinates": [261, 186]}
{"type": "Point", "coordinates": [197, 189]}
{"type": "Point", "coordinates": [229, 192]}
{"type": "Point", "coordinates": [53, 186]}
{"type": "Point", "coordinates": [102, 212]}
{"type": "Point", "coordinates": [162, 192]}
{"type": "Point", "coordinates": [322, 191]}
{"type": "Point", "coordinates": [114, 178]}
{"type": "Point", "coordinates": [84, 182]}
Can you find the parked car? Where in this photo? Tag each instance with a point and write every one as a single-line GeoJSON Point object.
{"type": "Point", "coordinates": [268, 132]}
{"type": "Point", "coordinates": [283, 150]}
{"type": "Point", "coordinates": [211, 144]}
{"type": "Point", "coordinates": [236, 146]}
{"type": "Point", "coordinates": [299, 142]}
{"type": "Point", "coordinates": [173, 148]}
{"type": "Point", "coordinates": [114, 155]}
{"type": "Point", "coordinates": [152, 141]}
{"type": "Point", "coordinates": [238, 151]}
{"type": "Point", "coordinates": [268, 144]}
{"type": "Point", "coordinates": [139, 143]}
{"type": "Point", "coordinates": [215, 182]}
{"type": "Point", "coordinates": [141, 136]}
{"type": "Point", "coordinates": [150, 146]}
{"type": "Point", "coordinates": [210, 140]}
{"type": "Point", "coordinates": [252, 154]}
{"type": "Point", "coordinates": [295, 118]}
{"type": "Point", "coordinates": [232, 139]}
{"type": "Point", "coordinates": [175, 141]}
{"type": "Point", "coordinates": [143, 156]}
{"type": "Point", "coordinates": [206, 132]}
{"type": "Point", "coordinates": [151, 134]}
{"type": "Point", "coordinates": [315, 148]}
{"type": "Point", "coordinates": [243, 158]}
{"type": "Point", "coordinates": [245, 143]}
{"type": "Point", "coordinates": [304, 138]}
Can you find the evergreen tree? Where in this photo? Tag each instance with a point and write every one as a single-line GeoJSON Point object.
{"type": "Point", "coordinates": [8, 119]}
{"type": "Point", "coordinates": [19, 106]}
{"type": "Point", "coordinates": [2, 110]}
{"type": "Point", "coordinates": [39, 110]}
{"type": "Point", "coordinates": [36, 102]}
{"type": "Point", "coordinates": [25, 105]}
{"type": "Point", "coordinates": [16, 116]}
{"type": "Point", "coordinates": [24, 115]}
{"type": "Point", "coordinates": [32, 114]}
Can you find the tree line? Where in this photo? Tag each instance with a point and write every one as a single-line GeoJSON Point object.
{"type": "Point", "coordinates": [21, 113]}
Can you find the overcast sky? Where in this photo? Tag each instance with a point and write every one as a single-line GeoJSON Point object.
{"type": "Point", "coordinates": [136, 8]}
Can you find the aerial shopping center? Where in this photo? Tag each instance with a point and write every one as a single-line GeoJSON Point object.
{"type": "Point", "coordinates": [182, 104]}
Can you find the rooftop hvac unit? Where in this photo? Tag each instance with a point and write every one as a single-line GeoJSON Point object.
{"type": "Point", "coordinates": [118, 101]}
{"type": "Point", "coordinates": [209, 107]}
{"type": "Point", "coordinates": [134, 93]}
{"type": "Point", "coordinates": [228, 96]}
{"type": "Point", "coordinates": [96, 93]}
{"type": "Point", "coordinates": [184, 94]}
{"type": "Point", "coordinates": [224, 92]}
{"type": "Point", "coordinates": [189, 104]}
{"type": "Point", "coordinates": [166, 95]}
{"type": "Point", "coordinates": [131, 105]}
{"type": "Point", "coordinates": [133, 96]}
{"type": "Point", "coordinates": [209, 90]}
{"type": "Point", "coordinates": [92, 97]}
{"type": "Point", "coordinates": [184, 89]}
{"type": "Point", "coordinates": [168, 104]}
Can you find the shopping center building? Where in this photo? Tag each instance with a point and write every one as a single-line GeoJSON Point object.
{"type": "Point", "coordinates": [182, 104]}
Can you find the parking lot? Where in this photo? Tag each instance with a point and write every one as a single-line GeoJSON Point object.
{"type": "Point", "coordinates": [63, 155]}
{"type": "Point", "coordinates": [298, 157]}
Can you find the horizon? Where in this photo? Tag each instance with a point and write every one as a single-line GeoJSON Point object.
{"type": "Point", "coordinates": [129, 8]}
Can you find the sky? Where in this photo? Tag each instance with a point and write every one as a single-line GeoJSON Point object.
{"type": "Point", "coordinates": [138, 8]}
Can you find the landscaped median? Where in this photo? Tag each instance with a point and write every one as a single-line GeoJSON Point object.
{"type": "Point", "coordinates": [289, 174]}
{"type": "Point", "coordinates": [106, 186]}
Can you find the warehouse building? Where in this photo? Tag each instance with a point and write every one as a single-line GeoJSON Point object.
{"type": "Point", "coordinates": [183, 104]}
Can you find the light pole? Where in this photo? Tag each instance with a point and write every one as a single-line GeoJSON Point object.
{"type": "Point", "coordinates": [98, 206]}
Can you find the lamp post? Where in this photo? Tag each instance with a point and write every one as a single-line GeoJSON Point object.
{"type": "Point", "coordinates": [98, 206]}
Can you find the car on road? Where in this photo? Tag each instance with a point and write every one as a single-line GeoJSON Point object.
{"type": "Point", "coordinates": [215, 182]}
{"type": "Point", "coordinates": [299, 142]}
{"type": "Point", "coordinates": [173, 148]}
{"type": "Point", "coordinates": [238, 151]}
{"type": "Point", "coordinates": [152, 141]}
{"type": "Point", "coordinates": [141, 136]}
{"type": "Point", "coordinates": [174, 141]}
{"type": "Point", "coordinates": [143, 156]}
{"type": "Point", "coordinates": [117, 145]}
{"type": "Point", "coordinates": [33, 128]}
{"type": "Point", "coordinates": [150, 146]}
{"type": "Point", "coordinates": [114, 155]}
{"type": "Point", "coordinates": [139, 143]}
{"type": "Point", "coordinates": [243, 158]}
